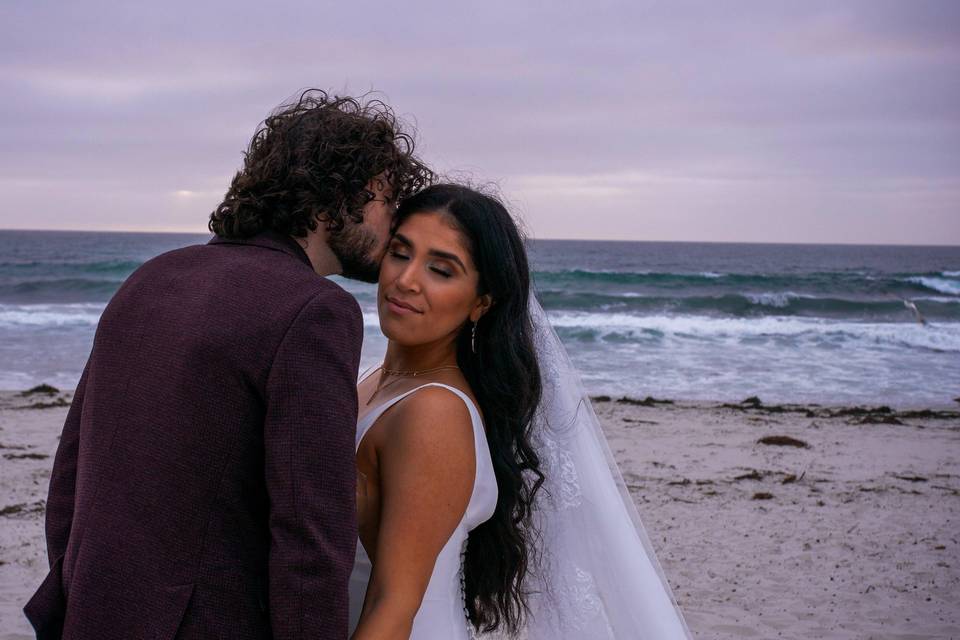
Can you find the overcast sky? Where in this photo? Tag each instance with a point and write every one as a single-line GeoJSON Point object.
{"type": "Point", "coordinates": [794, 121]}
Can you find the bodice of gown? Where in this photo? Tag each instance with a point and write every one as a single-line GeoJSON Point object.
{"type": "Point", "coordinates": [441, 615]}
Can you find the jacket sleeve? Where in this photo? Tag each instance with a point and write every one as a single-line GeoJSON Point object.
{"type": "Point", "coordinates": [63, 478]}
{"type": "Point", "coordinates": [310, 468]}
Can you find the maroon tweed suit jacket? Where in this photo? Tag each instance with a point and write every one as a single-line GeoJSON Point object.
{"type": "Point", "coordinates": [204, 486]}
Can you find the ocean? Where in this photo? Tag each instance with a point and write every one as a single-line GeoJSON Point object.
{"type": "Point", "coordinates": [825, 324]}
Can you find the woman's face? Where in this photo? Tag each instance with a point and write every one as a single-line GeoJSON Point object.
{"type": "Point", "coordinates": [428, 282]}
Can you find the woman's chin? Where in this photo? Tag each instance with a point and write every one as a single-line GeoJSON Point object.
{"type": "Point", "coordinates": [396, 334]}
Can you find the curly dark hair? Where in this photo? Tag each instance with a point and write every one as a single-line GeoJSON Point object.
{"type": "Point", "coordinates": [504, 374]}
{"type": "Point", "coordinates": [314, 157]}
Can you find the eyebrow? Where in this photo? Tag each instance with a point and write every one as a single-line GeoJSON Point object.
{"type": "Point", "coordinates": [402, 239]}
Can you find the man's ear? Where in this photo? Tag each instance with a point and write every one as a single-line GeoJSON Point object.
{"type": "Point", "coordinates": [323, 220]}
{"type": "Point", "coordinates": [483, 305]}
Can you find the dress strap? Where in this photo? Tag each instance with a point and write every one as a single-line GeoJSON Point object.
{"type": "Point", "coordinates": [367, 372]}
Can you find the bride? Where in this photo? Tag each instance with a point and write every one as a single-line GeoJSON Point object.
{"type": "Point", "coordinates": [488, 502]}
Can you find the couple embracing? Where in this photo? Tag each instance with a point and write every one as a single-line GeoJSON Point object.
{"type": "Point", "coordinates": [223, 474]}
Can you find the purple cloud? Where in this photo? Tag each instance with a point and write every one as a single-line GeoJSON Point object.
{"type": "Point", "coordinates": [816, 121]}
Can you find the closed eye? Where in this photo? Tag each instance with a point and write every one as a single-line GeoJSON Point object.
{"type": "Point", "coordinates": [445, 274]}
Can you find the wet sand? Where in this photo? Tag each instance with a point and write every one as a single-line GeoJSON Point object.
{"type": "Point", "coordinates": [770, 521]}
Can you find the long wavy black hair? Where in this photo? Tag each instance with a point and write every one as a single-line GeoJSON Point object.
{"type": "Point", "coordinates": [314, 157]}
{"type": "Point", "coordinates": [505, 378]}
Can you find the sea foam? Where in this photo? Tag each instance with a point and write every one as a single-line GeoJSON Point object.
{"type": "Point", "coordinates": [813, 331]}
{"type": "Point", "coordinates": [59, 315]}
{"type": "Point", "coordinates": [779, 299]}
{"type": "Point", "coordinates": [938, 284]}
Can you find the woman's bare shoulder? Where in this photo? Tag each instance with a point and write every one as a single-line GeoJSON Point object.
{"type": "Point", "coordinates": [433, 415]}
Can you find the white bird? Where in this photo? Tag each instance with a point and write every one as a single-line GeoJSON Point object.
{"type": "Point", "coordinates": [916, 312]}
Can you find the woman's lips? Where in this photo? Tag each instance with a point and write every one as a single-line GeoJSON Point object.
{"type": "Point", "coordinates": [400, 308]}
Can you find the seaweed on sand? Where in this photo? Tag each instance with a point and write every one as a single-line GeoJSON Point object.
{"type": "Point", "coordinates": [783, 441]}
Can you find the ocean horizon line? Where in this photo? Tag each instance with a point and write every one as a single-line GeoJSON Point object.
{"type": "Point", "coordinates": [533, 238]}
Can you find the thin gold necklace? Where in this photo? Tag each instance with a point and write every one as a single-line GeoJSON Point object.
{"type": "Point", "coordinates": [402, 374]}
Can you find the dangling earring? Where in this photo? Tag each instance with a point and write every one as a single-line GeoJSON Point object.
{"type": "Point", "coordinates": [473, 338]}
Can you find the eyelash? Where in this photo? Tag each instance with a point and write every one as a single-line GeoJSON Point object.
{"type": "Point", "coordinates": [439, 272]}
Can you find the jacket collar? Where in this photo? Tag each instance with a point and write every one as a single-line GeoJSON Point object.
{"type": "Point", "coordinates": [269, 240]}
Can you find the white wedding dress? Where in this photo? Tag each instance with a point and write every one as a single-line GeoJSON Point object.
{"type": "Point", "coordinates": [594, 574]}
{"type": "Point", "coordinates": [441, 615]}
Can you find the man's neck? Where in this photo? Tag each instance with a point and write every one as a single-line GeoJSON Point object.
{"type": "Point", "coordinates": [322, 258]}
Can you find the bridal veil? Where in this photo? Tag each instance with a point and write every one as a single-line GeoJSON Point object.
{"type": "Point", "coordinates": [595, 574]}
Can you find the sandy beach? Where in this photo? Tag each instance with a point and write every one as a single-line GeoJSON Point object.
{"type": "Point", "coordinates": [770, 521]}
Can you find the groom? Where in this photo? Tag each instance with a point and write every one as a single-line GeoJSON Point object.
{"type": "Point", "coordinates": [204, 486]}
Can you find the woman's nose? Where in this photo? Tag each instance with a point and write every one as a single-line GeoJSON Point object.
{"type": "Point", "coordinates": [407, 279]}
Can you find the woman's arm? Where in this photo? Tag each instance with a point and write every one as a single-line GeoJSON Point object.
{"type": "Point", "coordinates": [426, 469]}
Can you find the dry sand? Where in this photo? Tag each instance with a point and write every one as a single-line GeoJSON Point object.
{"type": "Point", "coordinates": [853, 536]}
